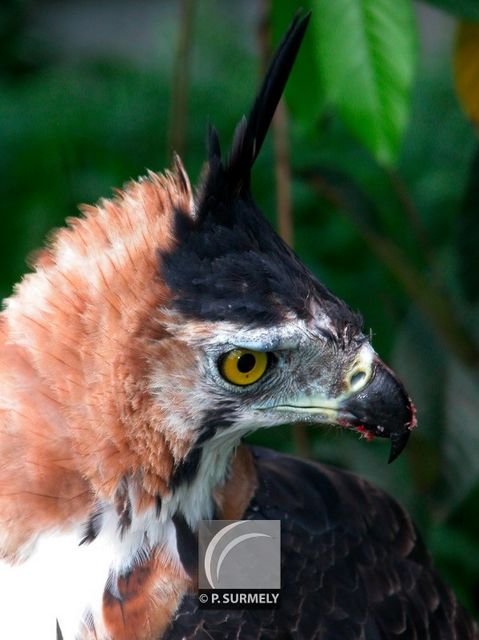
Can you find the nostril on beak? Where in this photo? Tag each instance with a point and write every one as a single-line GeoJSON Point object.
{"type": "Point", "coordinates": [357, 379]}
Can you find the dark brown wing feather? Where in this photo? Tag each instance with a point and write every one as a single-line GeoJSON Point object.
{"type": "Point", "coordinates": [353, 566]}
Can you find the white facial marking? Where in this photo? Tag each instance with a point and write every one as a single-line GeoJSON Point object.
{"type": "Point", "coordinates": [227, 335]}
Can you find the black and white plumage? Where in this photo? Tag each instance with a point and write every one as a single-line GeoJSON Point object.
{"type": "Point", "coordinates": [353, 566]}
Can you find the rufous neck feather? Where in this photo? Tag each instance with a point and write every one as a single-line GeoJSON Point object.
{"type": "Point", "coordinates": [77, 339]}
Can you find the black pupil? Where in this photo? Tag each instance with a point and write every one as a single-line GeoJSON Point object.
{"type": "Point", "coordinates": [246, 363]}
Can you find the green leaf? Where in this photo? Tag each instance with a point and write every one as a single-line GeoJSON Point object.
{"type": "Point", "coordinates": [367, 54]}
{"type": "Point", "coordinates": [463, 8]}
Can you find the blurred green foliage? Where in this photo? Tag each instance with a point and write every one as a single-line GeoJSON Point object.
{"type": "Point", "coordinates": [387, 218]}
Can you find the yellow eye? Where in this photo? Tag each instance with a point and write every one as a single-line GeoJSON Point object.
{"type": "Point", "coordinates": [243, 367]}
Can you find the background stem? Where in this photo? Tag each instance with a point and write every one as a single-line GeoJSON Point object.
{"type": "Point", "coordinates": [176, 137]}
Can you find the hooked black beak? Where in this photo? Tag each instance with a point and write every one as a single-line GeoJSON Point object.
{"type": "Point", "coordinates": [382, 408]}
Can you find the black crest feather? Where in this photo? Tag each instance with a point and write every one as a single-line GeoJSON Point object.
{"type": "Point", "coordinates": [228, 263]}
{"type": "Point", "coordinates": [251, 132]}
{"type": "Point", "coordinates": [234, 174]}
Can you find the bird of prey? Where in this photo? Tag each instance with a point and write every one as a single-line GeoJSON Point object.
{"type": "Point", "coordinates": [154, 332]}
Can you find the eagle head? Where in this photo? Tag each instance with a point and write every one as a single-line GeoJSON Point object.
{"type": "Point", "coordinates": [161, 327]}
{"type": "Point", "coordinates": [271, 344]}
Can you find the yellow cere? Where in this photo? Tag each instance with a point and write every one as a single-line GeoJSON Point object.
{"type": "Point", "coordinates": [243, 366]}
